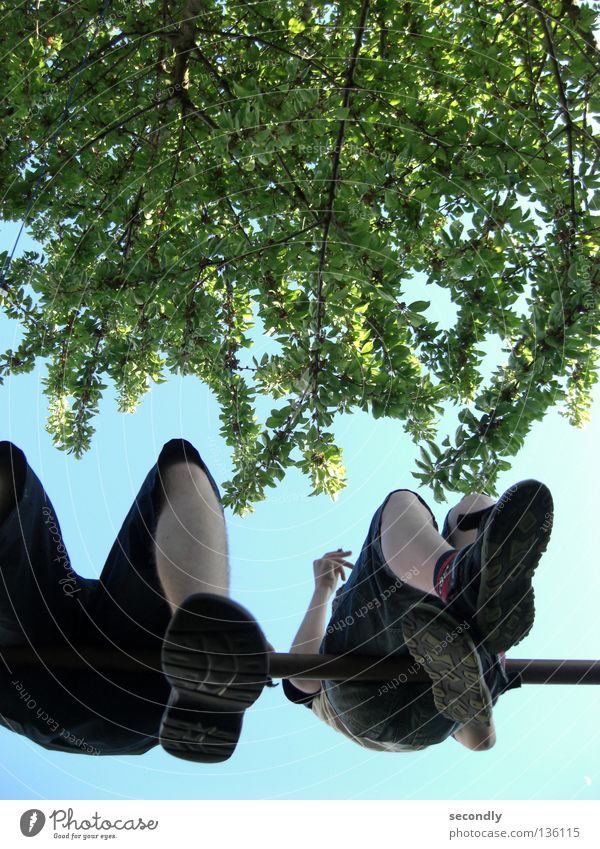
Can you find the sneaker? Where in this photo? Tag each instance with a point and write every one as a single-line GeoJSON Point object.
{"type": "Point", "coordinates": [214, 657]}
{"type": "Point", "coordinates": [491, 579]}
{"type": "Point", "coordinates": [443, 646]}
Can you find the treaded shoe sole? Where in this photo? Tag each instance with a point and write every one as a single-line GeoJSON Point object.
{"type": "Point", "coordinates": [443, 647]}
{"type": "Point", "coordinates": [515, 536]}
{"type": "Point", "coordinates": [214, 656]}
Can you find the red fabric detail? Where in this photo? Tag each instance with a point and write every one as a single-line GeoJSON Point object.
{"type": "Point", "coordinates": [444, 574]}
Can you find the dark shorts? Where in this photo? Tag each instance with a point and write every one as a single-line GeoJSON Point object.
{"type": "Point", "coordinates": [368, 620]}
{"type": "Point", "coordinates": [44, 601]}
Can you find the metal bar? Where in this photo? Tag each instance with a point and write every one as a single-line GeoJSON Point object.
{"type": "Point", "coordinates": [322, 667]}
{"type": "Point", "coordinates": [81, 658]}
{"type": "Point", "coordinates": [346, 667]}
{"type": "Point", "coordinates": [556, 671]}
{"type": "Point", "coordinates": [363, 668]}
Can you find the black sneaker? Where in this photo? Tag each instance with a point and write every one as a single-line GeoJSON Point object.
{"type": "Point", "coordinates": [214, 657]}
{"type": "Point", "coordinates": [443, 646]}
{"type": "Point", "coordinates": [491, 579]}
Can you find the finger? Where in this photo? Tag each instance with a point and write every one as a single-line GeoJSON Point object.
{"type": "Point", "coordinates": [335, 564]}
{"type": "Point", "coordinates": [338, 553]}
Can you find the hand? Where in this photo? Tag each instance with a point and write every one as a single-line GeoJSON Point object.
{"type": "Point", "coordinates": [329, 568]}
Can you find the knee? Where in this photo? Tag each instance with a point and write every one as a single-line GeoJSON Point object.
{"type": "Point", "coordinates": [476, 739]}
{"type": "Point", "coordinates": [473, 501]}
{"type": "Point", "coordinates": [485, 745]}
{"type": "Point", "coordinates": [180, 474]}
{"type": "Point", "coordinates": [403, 498]}
{"type": "Point", "coordinates": [479, 746]}
{"type": "Point", "coordinates": [402, 502]}
{"type": "Point", "coordinates": [469, 504]}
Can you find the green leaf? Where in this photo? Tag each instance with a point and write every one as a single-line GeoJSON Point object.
{"type": "Point", "coordinates": [296, 26]}
{"type": "Point", "coordinates": [192, 231]}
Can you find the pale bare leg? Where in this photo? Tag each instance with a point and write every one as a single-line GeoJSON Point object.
{"type": "Point", "coordinates": [412, 546]}
{"type": "Point", "coordinates": [478, 738]}
{"type": "Point", "coordinates": [469, 504]}
{"type": "Point", "coordinates": [410, 543]}
{"type": "Point", "coordinates": [191, 539]}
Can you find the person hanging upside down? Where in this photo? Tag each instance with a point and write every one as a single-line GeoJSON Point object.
{"type": "Point", "coordinates": [455, 602]}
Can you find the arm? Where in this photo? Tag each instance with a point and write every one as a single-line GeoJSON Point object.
{"type": "Point", "coordinates": [327, 570]}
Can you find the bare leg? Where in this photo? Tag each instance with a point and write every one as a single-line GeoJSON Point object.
{"type": "Point", "coordinates": [477, 737]}
{"type": "Point", "coordinates": [215, 671]}
{"type": "Point", "coordinates": [410, 543]}
{"type": "Point", "coordinates": [469, 504]}
{"type": "Point", "coordinates": [191, 539]}
{"type": "Point", "coordinates": [474, 736]}
{"type": "Point", "coordinates": [412, 546]}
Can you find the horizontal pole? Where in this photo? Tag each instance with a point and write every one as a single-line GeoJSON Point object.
{"type": "Point", "coordinates": [556, 671]}
{"type": "Point", "coordinates": [331, 667]}
{"type": "Point", "coordinates": [364, 668]}
{"type": "Point", "coordinates": [320, 667]}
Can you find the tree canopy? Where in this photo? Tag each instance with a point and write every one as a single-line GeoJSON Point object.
{"type": "Point", "coordinates": [331, 174]}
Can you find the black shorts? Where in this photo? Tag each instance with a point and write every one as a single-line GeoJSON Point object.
{"type": "Point", "coordinates": [43, 601]}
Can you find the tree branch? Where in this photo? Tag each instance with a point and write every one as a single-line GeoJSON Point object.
{"type": "Point", "coordinates": [562, 96]}
{"type": "Point", "coordinates": [257, 37]}
{"type": "Point", "coordinates": [221, 263]}
{"type": "Point", "coordinates": [169, 192]}
{"type": "Point", "coordinates": [184, 43]}
{"type": "Point", "coordinates": [335, 167]}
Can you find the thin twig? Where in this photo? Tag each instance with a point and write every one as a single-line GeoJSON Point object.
{"type": "Point", "coordinates": [258, 38]}
{"type": "Point", "coordinates": [221, 263]}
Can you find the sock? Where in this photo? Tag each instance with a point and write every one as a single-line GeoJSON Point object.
{"type": "Point", "coordinates": [444, 577]}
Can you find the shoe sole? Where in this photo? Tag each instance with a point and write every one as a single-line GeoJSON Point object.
{"type": "Point", "coordinates": [214, 656]}
{"type": "Point", "coordinates": [448, 654]}
{"type": "Point", "coordinates": [516, 535]}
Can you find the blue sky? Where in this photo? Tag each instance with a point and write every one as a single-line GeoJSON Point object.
{"type": "Point", "coordinates": [548, 737]}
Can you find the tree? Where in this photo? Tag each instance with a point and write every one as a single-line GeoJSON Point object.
{"type": "Point", "coordinates": [191, 168]}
